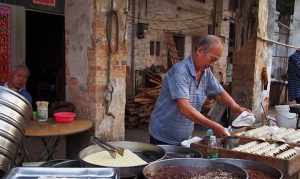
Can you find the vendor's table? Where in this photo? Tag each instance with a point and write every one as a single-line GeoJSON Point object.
{"type": "Point", "coordinates": [51, 132]}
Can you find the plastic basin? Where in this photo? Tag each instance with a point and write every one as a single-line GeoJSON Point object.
{"type": "Point", "coordinates": [64, 117]}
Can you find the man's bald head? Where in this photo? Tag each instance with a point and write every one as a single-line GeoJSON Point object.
{"type": "Point", "coordinates": [208, 42]}
{"type": "Point", "coordinates": [18, 78]}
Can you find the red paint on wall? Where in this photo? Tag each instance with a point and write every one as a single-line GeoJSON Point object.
{"type": "Point", "coordinates": [45, 2]}
{"type": "Point", "coordinates": [5, 42]}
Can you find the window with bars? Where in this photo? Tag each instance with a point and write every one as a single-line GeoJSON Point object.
{"type": "Point", "coordinates": [154, 48]}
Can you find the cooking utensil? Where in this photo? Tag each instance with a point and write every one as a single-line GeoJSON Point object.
{"type": "Point", "coordinates": [10, 131]}
{"type": "Point", "coordinates": [253, 165]}
{"type": "Point", "coordinates": [63, 163]}
{"type": "Point", "coordinates": [195, 165]}
{"type": "Point", "coordinates": [13, 117]}
{"type": "Point", "coordinates": [147, 152]}
{"type": "Point", "coordinates": [112, 150]}
{"type": "Point", "coordinates": [5, 164]}
{"type": "Point", "coordinates": [7, 147]}
{"type": "Point", "coordinates": [265, 114]}
{"type": "Point", "coordinates": [41, 172]}
{"type": "Point", "coordinates": [175, 151]}
{"type": "Point", "coordinates": [16, 101]}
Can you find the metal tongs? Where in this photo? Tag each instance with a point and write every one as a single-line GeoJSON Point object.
{"type": "Point", "coordinates": [112, 150]}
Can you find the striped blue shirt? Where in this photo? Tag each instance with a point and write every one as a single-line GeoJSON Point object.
{"type": "Point", "coordinates": [167, 124]}
{"type": "Point", "coordinates": [294, 76]}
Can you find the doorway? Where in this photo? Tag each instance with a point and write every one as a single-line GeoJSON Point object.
{"type": "Point", "coordinates": [45, 56]}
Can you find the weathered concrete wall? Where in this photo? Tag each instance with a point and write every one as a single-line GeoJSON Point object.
{"type": "Point", "coordinates": [87, 65]}
{"type": "Point", "coordinates": [79, 17]}
{"type": "Point", "coordinates": [253, 56]}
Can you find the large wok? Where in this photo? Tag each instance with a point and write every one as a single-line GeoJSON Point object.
{"type": "Point", "coordinates": [147, 152]}
{"type": "Point", "coordinates": [253, 165]}
{"type": "Point", "coordinates": [184, 168]}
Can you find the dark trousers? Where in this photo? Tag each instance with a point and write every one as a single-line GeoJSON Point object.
{"type": "Point", "coordinates": [157, 142]}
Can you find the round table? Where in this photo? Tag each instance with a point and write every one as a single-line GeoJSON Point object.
{"type": "Point", "coordinates": [51, 132]}
{"type": "Point", "coordinates": [51, 128]}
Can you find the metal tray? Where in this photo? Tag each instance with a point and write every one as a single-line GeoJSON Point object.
{"type": "Point", "coordinates": [62, 173]}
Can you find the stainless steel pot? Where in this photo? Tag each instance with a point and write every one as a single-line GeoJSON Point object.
{"type": "Point", "coordinates": [7, 147]}
{"type": "Point", "coordinates": [10, 131]}
{"type": "Point", "coordinates": [185, 167]}
{"type": "Point", "coordinates": [5, 164]}
{"type": "Point", "coordinates": [16, 101]}
{"type": "Point", "coordinates": [253, 165]}
{"type": "Point", "coordinates": [15, 118]}
{"type": "Point", "coordinates": [175, 151]}
{"type": "Point", "coordinates": [63, 163]}
{"type": "Point", "coordinates": [147, 152]}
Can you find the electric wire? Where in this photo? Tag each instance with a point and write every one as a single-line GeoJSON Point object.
{"type": "Point", "coordinates": [169, 19]}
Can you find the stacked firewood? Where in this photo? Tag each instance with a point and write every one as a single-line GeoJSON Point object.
{"type": "Point", "coordinates": [138, 109]}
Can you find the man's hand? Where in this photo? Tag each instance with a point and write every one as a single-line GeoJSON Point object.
{"type": "Point", "coordinates": [221, 132]}
{"type": "Point", "coordinates": [193, 114]}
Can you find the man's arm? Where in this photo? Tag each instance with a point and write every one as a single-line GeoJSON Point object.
{"type": "Point", "coordinates": [225, 98]}
{"type": "Point", "coordinates": [191, 113]}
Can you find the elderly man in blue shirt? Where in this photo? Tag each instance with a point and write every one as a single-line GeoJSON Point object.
{"type": "Point", "coordinates": [294, 76]}
{"type": "Point", "coordinates": [17, 81]}
{"type": "Point", "coordinates": [184, 90]}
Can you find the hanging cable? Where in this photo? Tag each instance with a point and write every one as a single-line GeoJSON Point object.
{"type": "Point", "coordinates": [170, 19]}
{"type": "Point", "coordinates": [110, 17]}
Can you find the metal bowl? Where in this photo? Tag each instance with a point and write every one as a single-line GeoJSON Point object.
{"type": "Point", "coordinates": [189, 167]}
{"type": "Point", "coordinates": [7, 147]}
{"type": "Point", "coordinates": [175, 151]}
{"type": "Point", "coordinates": [5, 164]}
{"type": "Point", "coordinates": [16, 101]}
{"type": "Point", "coordinates": [253, 165]}
{"type": "Point", "coordinates": [13, 117]}
{"type": "Point", "coordinates": [63, 163]}
{"type": "Point", "coordinates": [147, 152]}
{"type": "Point", "coordinates": [10, 131]}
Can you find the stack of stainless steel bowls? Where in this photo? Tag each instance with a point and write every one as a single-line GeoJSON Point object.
{"type": "Point", "coordinates": [15, 110]}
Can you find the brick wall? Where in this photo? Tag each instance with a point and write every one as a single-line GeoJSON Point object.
{"type": "Point", "coordinates": [87, 65]}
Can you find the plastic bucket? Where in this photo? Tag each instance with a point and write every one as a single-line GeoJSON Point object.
{"type": "Point", "coordinates": [287, 121]}
{"type": "Point", "coordinates": [282, 108]}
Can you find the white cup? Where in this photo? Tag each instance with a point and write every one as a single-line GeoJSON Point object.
{"type": "Point", "coordinates": [42, 110]}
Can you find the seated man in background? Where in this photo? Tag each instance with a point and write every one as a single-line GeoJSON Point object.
{"type": "Point", "coordinates": [17, 81]}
